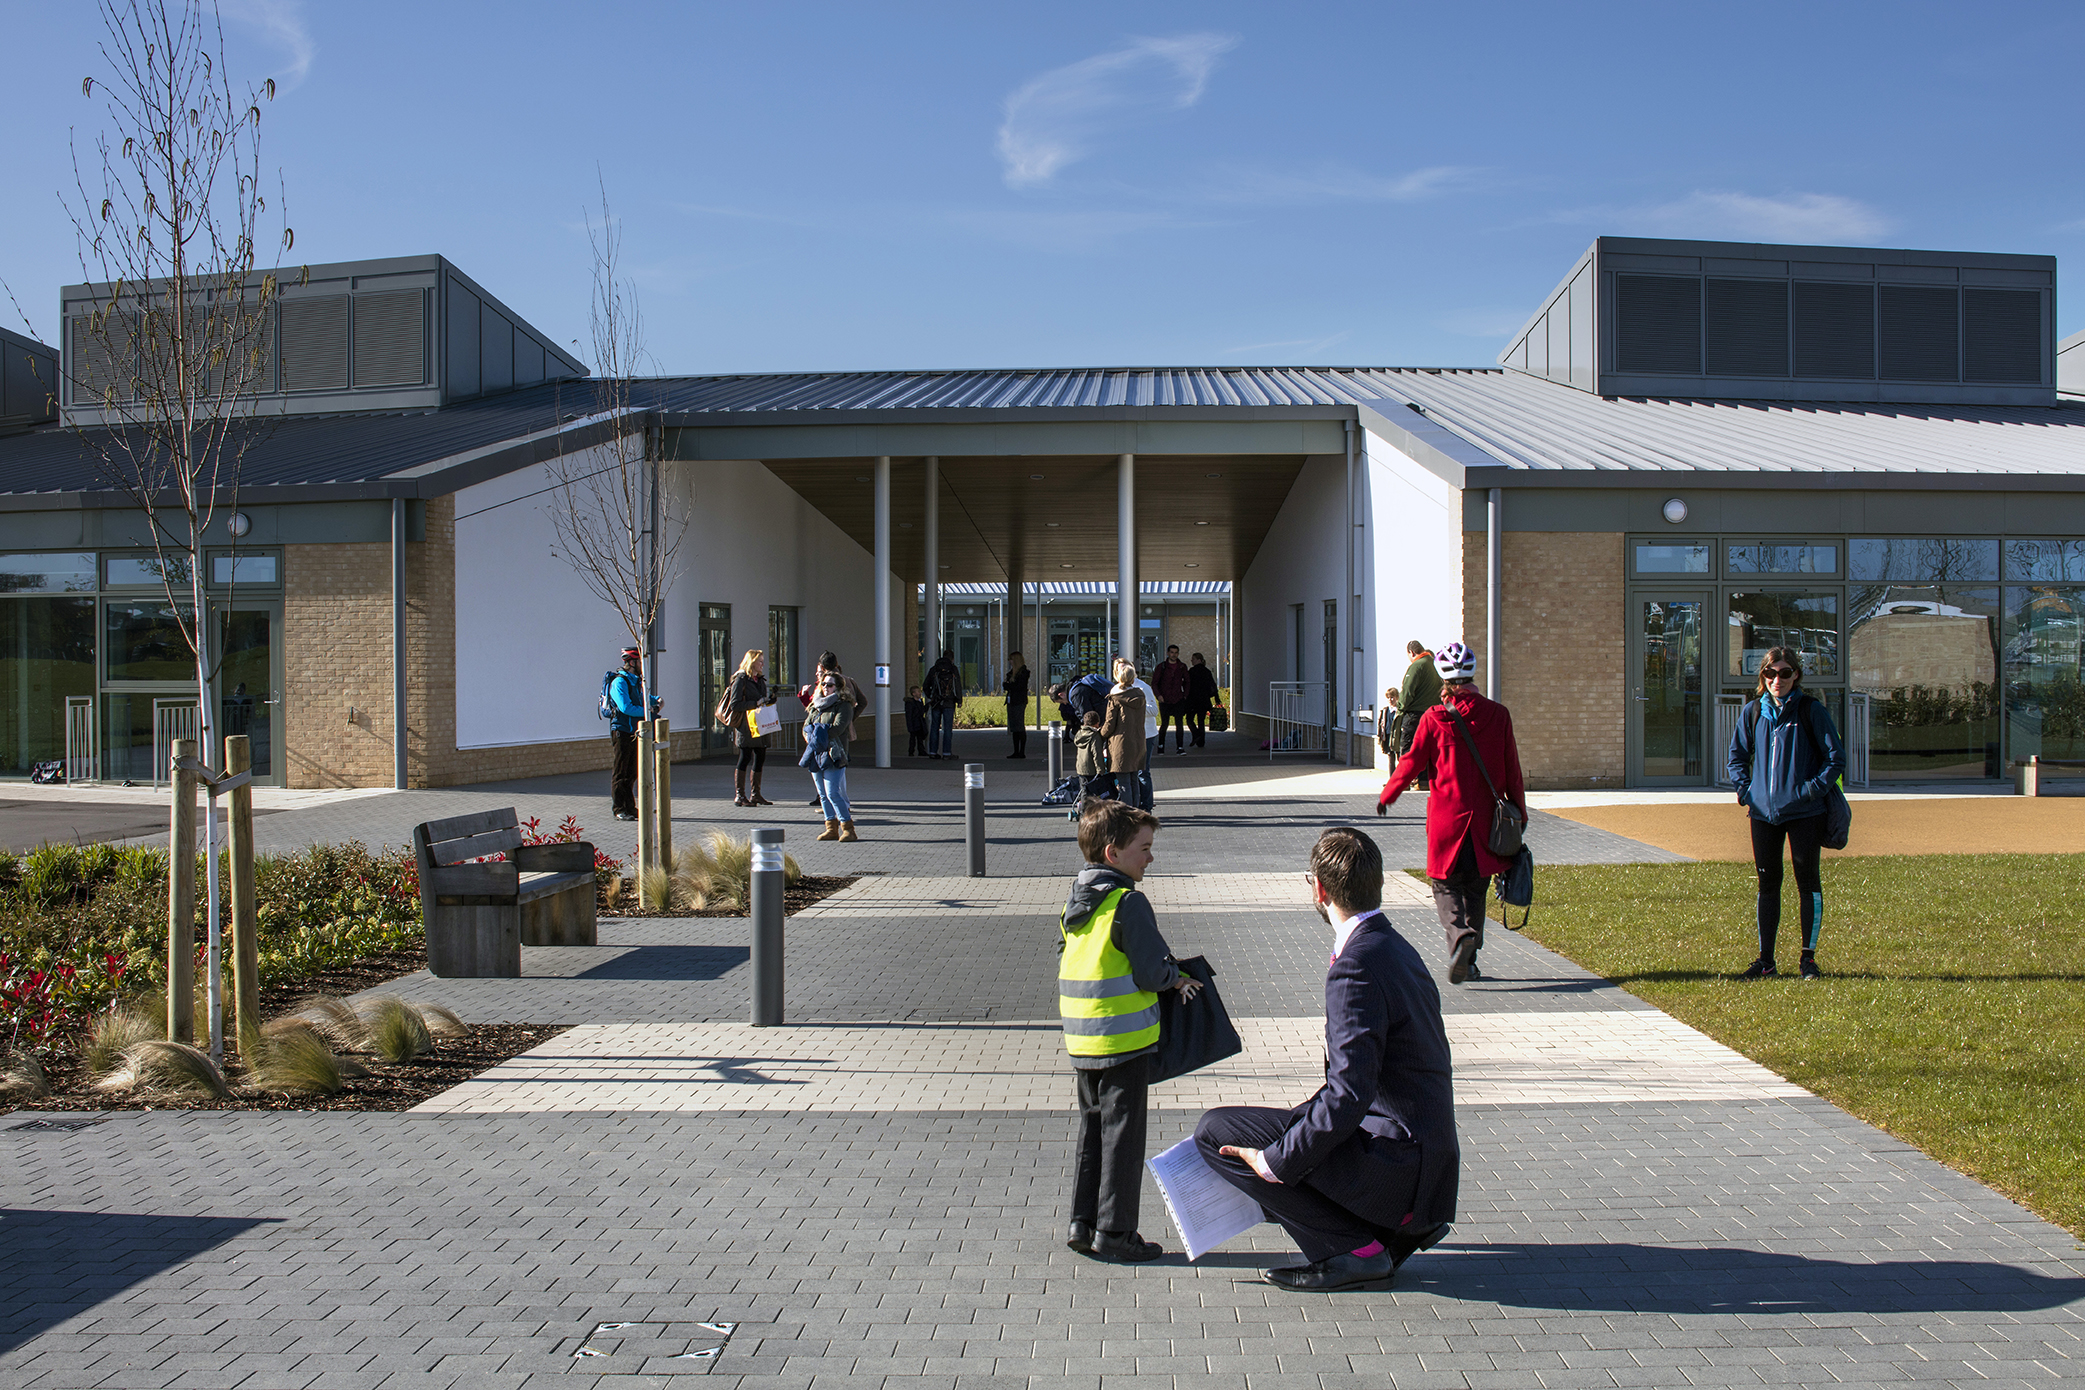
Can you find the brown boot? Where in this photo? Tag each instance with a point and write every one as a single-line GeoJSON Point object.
{"type": "Point", "coordinates": [738, 788]}
{"type": "Point", "coordinates": [832, 831]}
{"type": "Point", "coordinates": [847, 835]}
{"type": "Point", "coordinates": [756, 799]}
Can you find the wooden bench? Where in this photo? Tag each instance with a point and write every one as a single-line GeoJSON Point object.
{"type": "Point", "coordinates": [2027, 773]}
{"type": "Point", "coordinates": [478, 916]}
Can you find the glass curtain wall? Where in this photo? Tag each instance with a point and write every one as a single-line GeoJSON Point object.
{"type": "Point", "coordinates": [2044, 648]}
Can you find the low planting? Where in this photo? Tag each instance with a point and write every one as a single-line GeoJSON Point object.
{"type": "Point", "coordinates": [1950, 1013]}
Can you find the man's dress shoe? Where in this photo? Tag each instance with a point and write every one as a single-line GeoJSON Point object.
{"type": "Point", "coordinates": [1079, 1236]}
{"type": "Point", "coordinates": [1339, 1272]}
{"type": "Point", "coordinates": [1125, 1247]}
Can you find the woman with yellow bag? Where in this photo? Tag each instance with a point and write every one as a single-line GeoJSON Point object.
{"type": "Point", "coordinates": [740, 709]}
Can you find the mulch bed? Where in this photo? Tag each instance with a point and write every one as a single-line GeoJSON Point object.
{"type": "Point", "coordinates": [799, 895]}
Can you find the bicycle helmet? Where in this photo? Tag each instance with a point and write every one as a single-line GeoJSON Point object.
{"type": "Point", "coordinates": [1455, 662]}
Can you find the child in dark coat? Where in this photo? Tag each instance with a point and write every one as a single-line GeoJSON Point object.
{"type": "Point", "coordinates": [1091, 760]}
{"type": "Point", "coordinates": [915, 724]}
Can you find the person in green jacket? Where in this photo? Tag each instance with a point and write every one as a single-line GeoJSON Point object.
{"type": "Point", "coordinates": [1420, 692]}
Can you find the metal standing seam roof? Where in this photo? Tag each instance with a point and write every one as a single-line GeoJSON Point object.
{"type": "Point", "coordinates": [1208, 588]}
{"type": "Point", "coordinates": [1523, 422]}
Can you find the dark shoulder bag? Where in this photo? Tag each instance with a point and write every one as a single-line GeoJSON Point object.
{"type": "Point", "coordinates": [1838, 812]}
{"type": "Point", "coordinates": [1508, 822]}
{"type": "Point", "coordinates": [1192, 1033]}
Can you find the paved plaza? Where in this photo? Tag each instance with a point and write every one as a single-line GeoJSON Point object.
{"type": "Point", "coordinates": [873, 1195]}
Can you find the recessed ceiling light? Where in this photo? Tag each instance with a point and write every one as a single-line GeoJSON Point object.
{"type": "Point", "coordinates": [1212, 475]}
{"type": "Point", "coordinates": [1053, 524]}
{"type": "Point", "coordinates": [1035, 477]}
{"type": "Point", "coordinates": [1201, 523]}
{"type": "Point", "coordinates": [861, 477]}
{"type": "Point", "coordinates": [944, 567]}
{"type": "Point", "coordinates": [1064, 567]}
{"type": "Point", "coordinates": [904, 526]}
{"type": "Point", "coordinates": [1191, 565]}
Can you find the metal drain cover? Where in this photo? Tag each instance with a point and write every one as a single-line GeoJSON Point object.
{"type": "Point", "coordinates": [41, 1126]}
{"type": "Point", "coordinates": [651, 1348]}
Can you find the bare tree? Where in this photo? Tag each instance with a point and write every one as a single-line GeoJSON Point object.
{"type": "Point", "coordinates": [180, 340]}
{"type": "Point", "coordinates": [165, 367]}
{"type": "Point", "coordinates": [617, 528]}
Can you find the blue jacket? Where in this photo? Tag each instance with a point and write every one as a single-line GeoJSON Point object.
{"type": "Point", "coordinates": [626, 692]}
{"type": "Point", "coordinates": [825, 748]}
{"type": "Point", "coordinates": [1784, 772]}
{"type": "Point", "coordinates": [1379, 1136]}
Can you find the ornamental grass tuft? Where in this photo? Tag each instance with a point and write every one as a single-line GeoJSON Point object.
{"type": "Point", "coordinates": [158, 1065]}
{"type": "Point", "coordinates": [22, 1077]}
{"type": "Point", "coordinates": [336, 1021]}
{"type": "Point", "coordinates": [293, 1058]}
{"type": "Point", "coordinates": [115, 1033]}
{"type": "Point", "coordinates": [395, 1029]}
{"type": "Point", "coordinates": [717, 871]}
{"type": "Point", "coordinates": [442, 1022]}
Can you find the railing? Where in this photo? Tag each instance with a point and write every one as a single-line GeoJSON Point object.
{"type": "Point", "coordinates": [1298, 718]}
{"type": "Point", "coordinates": [1728, 708]}
{"type": "Point", "coordinates": [1855, 735]}
{"type": "Point", "coordinates": [82, 759]}
{"type": "Point", "coordinates": [172, 719]}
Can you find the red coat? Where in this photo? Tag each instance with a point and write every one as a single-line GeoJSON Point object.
{"type": "Point", "coordinates": [1459, 805]}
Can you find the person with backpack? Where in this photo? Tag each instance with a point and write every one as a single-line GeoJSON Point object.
{"type": "Point", "coordinates": [1088, 695]}
{"type": "Point", "coordinates": [622, 705]}
{"type": "Point", "coordinates": [1464, 746]}
{"type": "Point", "coordinates": [1785, 761]}
{"type": "Point", "coordinates": [944, 688]}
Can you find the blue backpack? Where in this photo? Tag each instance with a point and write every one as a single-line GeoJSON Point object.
{"type": "Point", "coordinates": [608, 709]}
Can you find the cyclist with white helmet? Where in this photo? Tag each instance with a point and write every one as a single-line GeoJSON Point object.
{"type": "Point", "coordinates": [1464, 746]}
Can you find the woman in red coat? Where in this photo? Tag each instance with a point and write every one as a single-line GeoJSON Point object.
{"type": "Point", "coordinates": [1459, 806]}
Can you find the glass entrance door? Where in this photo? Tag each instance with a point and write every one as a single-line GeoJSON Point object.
{"type": "Point", "coordinates": [249, 684]}
{"type": "Point", "coordinates": [717, 667]}
{"type": "Point", "coordinates": [1668, 735]}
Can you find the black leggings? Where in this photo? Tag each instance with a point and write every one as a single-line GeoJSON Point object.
{"type": "Point", "coordinates": [1805, 839]}
{"type": "Point", "coordinates": [756, 758]}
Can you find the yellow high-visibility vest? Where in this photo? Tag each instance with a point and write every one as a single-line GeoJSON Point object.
{"type": "Point", "coordinates": [1105, 1014]}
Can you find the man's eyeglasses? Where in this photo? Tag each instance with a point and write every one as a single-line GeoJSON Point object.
{"type": "Point", "coordinates": [1779, 673]}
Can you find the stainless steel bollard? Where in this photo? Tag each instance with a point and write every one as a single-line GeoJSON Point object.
{"type": "Point", "coordinates": [767, 928]}
{"type": "Point", "coordinates": [1056, 753]}
{"type": "Point", "coordinates": [974, 816]}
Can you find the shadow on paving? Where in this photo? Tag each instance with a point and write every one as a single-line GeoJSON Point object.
{"type": "Point", "coordinates": [56, 1265]}
{"type": "Point", "coordinates": [1626, 1278]}
{"type": "Point", "coordinates": [669, 963]}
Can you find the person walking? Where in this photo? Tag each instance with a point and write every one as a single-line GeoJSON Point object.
{"type": "Point", "coordinates": [748, 692]}
{"type": "Point", "coordinates": [1419, 692]}
{"type": "Point", "coordinates": [1201, 697]}
{"type": "Point", "coordinates": [944, 690]}
{"type": "Point", "coordinates": [915, 723]}
{"type": "Point", "coordinates": [1364, 1174]}
{"type": "Point", "coordinates": [825, 754]}
{"type": "Point", "coordinates": [1016, 687]}
{"type": "Point", "coordinates": [1785, 757]}
{"type": "Point", "coordinates": [625, 692]}
{"type": "Point", "coordinates": [1139, 790]}
{"type": "Point", "coordinates": [1169, 680]}
{"type": "Point", "coordinates": [1122, 725]}
{"type": "Point", "coordinates": [1112, 965]}
{"type": "Point", "coordinates": [1464, 746]}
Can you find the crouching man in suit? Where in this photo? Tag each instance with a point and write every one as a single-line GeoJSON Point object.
{"type": "Point", "coordinates": [1362, 1174]}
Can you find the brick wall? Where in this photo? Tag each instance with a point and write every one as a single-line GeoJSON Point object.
{"type": "Point", "coordinates": [336, 666]}
{"type": "Point", "coordinates": [1563, 649]}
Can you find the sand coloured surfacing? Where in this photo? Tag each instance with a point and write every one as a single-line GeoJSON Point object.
{"type": "Point", "coordinates": [1929, 825]}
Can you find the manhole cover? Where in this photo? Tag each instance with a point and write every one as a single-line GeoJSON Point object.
{"type": "Point", "coordinates": [651, 1348]}
{"type": "Point", "coordinates": [39, 1126]}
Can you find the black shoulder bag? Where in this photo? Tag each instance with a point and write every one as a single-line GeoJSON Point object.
{"type": "Point", "coordinates": [1838, 812]}
{"type": "Point", "coordinates": [1508, 822]}
{"type": "Point", "coordinates": [1192, 1033]}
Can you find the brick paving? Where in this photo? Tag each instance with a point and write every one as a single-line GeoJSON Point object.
{"type": "Point", "coordinates": [1638, 1207]}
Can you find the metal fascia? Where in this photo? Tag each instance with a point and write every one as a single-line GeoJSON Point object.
{"type": "Point", "coordinates": [1791, 480]}
{"type": "Point", "coordinates": [1430, 444]}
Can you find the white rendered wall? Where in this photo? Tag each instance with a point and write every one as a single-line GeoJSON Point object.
{"type": "Point", "coordinates": [1414, 561]}
{"type": "Point", "coordinates": [1302, 560]}
{"type": "Point", "coordinates": [532, 643]}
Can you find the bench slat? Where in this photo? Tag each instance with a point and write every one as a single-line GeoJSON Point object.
{"type": "Point", "coordinates": [455, 851]}
{"type": "Point", "coordinates": [472, 881]}
{"type": "Point", "coordinates": [476, 823]}
{"type": "Point", "coordinates": [534, 886]}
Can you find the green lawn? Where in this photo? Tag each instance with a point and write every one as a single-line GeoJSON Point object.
{"type": "Point", "coordinates": [1952, 1013]}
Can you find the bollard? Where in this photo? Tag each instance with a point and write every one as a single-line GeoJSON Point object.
{"type": "Point", "coordinates": [974, 816]}
{"type": "Point", "coordinates": [1056, 753]}
{"type": "Point", "coordinates": [767, 928]}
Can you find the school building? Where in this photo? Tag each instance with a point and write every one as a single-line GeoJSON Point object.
{"type": "Point", "coordinates": [1692, 452]}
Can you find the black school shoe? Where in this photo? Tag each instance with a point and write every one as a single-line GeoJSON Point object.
{"type": "Point", "coordinates": [1810, 970]}
{"type": "Point", "coordinates": [1125, 1247]}
{"type": "Point", "coordinates": [1079, 1236]}
{"type": "Point", "coordinates": [1463, 966]}
{"type": "Point", "coordinates": [1339, 1272]}
{"type": "Point", "coordinates": [1761, 969]}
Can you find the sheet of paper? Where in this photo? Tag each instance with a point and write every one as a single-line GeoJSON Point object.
{"type": "Point", "coordinates": [1206, 1210]}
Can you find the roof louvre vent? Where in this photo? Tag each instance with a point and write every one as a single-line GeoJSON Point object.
{"type": "Point", "coordinates": [390, 338]}
{"type": "Point", "coordinates": [1748, 327]}
{"type": "Point", "coordinates": [1658, 324]}
{"type": "Point", "coordinates": [1834, 329]}
{"type": "Point", "coordinates": [103, 360]}
{"type": "Point", "coordinates": [1919, 333]}
{"type": "Point", "coordinates": [2001, 335]}
{"type": "Point", "coordinates": [314, 343]}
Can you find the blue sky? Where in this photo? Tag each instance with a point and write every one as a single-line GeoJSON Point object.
{"type": "Point", "coordinates": [823, 186]}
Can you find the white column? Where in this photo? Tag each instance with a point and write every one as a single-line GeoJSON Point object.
{"type": "Point", "coordinates": [882, 657]}
{"type": "Point", "coordinates": [1126, 605]}
{"type": "Point", "coordinates": [1494, 566]}
{"type": "Point", "coordinates": [931, 605]}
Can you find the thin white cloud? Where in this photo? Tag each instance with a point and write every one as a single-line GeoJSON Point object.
{"type": "Point", "coordinates": [1726, 216]}
{"type": "Point", "coordinates": [1054, 120]}
{"type": "Point", "coordinates": [281, 23]}
{"type": "Point", "coordinates": [1327, 183]}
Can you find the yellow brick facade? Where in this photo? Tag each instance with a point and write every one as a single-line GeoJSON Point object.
{"type": "Point", "coordinates": [1562, 643]}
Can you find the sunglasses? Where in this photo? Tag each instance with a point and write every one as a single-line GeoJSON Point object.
{"type": "Point", "coordinates": [1779, 673]}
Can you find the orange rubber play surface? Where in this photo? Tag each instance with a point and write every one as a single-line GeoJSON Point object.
{"type": "Point", "coordinates": [1954, 825]}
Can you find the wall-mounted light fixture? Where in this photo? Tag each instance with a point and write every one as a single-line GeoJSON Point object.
{"type": "Point", "coordinates": [240, 525]}
{"type": "Point", "coordinates": [1674, 510]}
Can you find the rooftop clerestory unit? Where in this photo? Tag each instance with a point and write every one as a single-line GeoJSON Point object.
{"type": "Point", "coordinates": [28, 382]}
{"type": "Point", "coordinates": [1744, 321]}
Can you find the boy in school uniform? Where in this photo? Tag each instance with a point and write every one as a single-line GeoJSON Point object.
{"type": "Point", "coordinates": [915, 724]}
{"type": "Point", "coordinates": [1093, 751]}
{"type": "Point", "coordinates": [1112, 963]}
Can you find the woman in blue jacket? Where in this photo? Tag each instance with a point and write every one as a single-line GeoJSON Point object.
{"type": "Point", "coordinates": [1784, 759]}
{"type": "Point", "coordinates": [825, 754]}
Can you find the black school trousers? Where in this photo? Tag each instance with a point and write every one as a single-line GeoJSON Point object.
{"type": "Point", "coordinates": [622, 779]}
{"type": "Point", "coordinates": [1108, 1174]}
